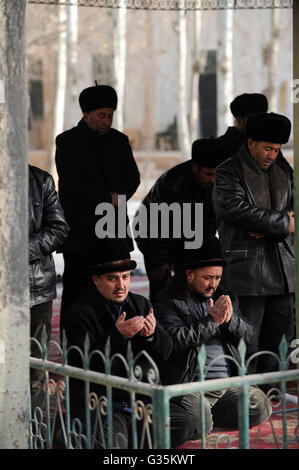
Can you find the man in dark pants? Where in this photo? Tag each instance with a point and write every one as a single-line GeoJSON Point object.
{"type": "Point", "coordinates": [195, 313]}
{"type": "Point", "coordinates": [48, 231]}
{"type": "Point", "coordinates": [189, 182]}
{"type": "Point", "coordinates": [95, 165]}
{"type": "Point", "coordinates": [109, 310]}
{"type": "Point", "coordinates": [241, 107]}
{"type": "Point", "coordinates": [253, 200]}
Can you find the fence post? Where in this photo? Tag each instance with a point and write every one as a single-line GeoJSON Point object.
{"type": "Point", "coordinates": [243, 402]}
{"type": "Point", "coordinates": [161, 419]}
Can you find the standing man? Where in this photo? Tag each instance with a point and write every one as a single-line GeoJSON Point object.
{"type": "Point", "coordinates": [188, 182]}
{"type": "Point", "coordinates": [253, 200]}
{"type": "Point", "coordinates": [95, 164]}
{"type": "Point", "coordinates": [194, 312]}
{"type": "Point", "coordinates": [241, 107]}
{"type": "Point", "coordinates": [110, 310]}
{"type": "Point", "coordinates": [48, 231]}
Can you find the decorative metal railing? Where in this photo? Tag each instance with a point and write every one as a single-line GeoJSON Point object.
{"type": "Point", "coordinates": [54, 426]}
{"type": "Point", "coordinates": [174, 4]}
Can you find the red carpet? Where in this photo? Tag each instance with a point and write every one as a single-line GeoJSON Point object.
{"type": "Point", "coordinates": [267, 436]}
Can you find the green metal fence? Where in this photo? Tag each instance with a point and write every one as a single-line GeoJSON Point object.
{"type": "Point", "coordinates": [55, 426]}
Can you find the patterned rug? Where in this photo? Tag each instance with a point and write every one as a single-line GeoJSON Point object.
{"type": "Point", "coordinates": [269, 435]}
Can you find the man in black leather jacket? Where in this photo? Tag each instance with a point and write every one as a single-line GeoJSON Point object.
{"type": "Point", "coordinates": [253, 200]}
{"type": "Point", "coordinates": [95, 165]}
{"type": "Point", "coordinates": [48, 231]}
{"type": "Point", "coordinates": [188, 182]}
{"type": "Point", "coordinates": [195, 313]}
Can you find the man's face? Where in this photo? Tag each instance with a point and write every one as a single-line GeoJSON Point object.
{"type": "Point", "coordinates": [99, 120]}
{"type": "Point", "coordinates": [264, 153]}
{"type": "Point", "coordinates": [113, 286]}
{"type": "Point", "coordinates": [204, 281]}
{"type": "Point", "coordinates": [204, 176]}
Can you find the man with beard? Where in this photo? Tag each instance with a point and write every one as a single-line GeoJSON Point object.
{"type": "Point", "coordinates": [194, 312]}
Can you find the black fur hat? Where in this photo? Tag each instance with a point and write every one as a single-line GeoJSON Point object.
{"type": "Point", "coordinates": [268, 127]}
{"type": "Point", "coordinates": [249, 103]}
{"type": "Point", "coordinates": [98, 96]}
{"type": "Point", "coordinates": [209, 152]}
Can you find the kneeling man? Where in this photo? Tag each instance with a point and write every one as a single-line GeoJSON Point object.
{"type": "Point", "coordinates": [193, 314]}
{"type": "Point", "coordinates": [110, 310]}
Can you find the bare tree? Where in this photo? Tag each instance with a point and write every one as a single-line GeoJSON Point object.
{"type": "Point", "coordinates": [14, 289]}
{"type": "Point", "coordinates": [71, 92]}
{"type": "Point", "coordinates": [225, 85]}
{"type": "Point", "coordinates": [59, 105]}
{"type": "Point", "coordinates": [119, 42]}
{"type": "Point", "coordinates": [182, 114]}
{"type": "Point", "coordinates": [196, 70]}
{"type": "Point", "coordinates": [270, 55]}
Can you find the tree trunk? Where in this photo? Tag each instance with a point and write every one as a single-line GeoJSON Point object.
{"type": "Point", "coordinates": [119, 39]}
{"type": "Point", "coordinates": [14, 291]}
{"type": "Point", "coordinates": [225, 86]}
{"type": "Point", "coordinates": [72, 111]}
{"type": "Point", "coordinates": [271, 52]}
{"type": "Point", "coordinates": [59, 106]}
{"type": "Point", "coordinates": [182, 114]}
{"type": "Point", "coordinates": [196, 69]}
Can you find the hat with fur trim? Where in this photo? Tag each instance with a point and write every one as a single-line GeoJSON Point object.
{"type": "Point", "coordinates": [98, 96]}
{"type": "Point", "coordinates": [268, 127]}
{"type": "Point", "coordinates": [112, 260]}
{"type": "Point", "coordinates": [209, 152]}
{"type": "Point", "coordinates": [248, 103]}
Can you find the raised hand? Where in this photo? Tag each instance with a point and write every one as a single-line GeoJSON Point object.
{"type": "Point", "coordinates": [129, 328]}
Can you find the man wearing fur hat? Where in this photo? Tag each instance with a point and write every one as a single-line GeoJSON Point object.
{"type": "Point", "coordinates": [241, 107]}
{"type": "Point", "coordinates": [95, 164]}
{"type": "Point", "coordinates": [188, 182]}
{"type": "Point", "coordinates": [195, 312]}
{"type": "Point", "coordinates": [253, 200]}
{"type": "Point", "coordinates": [110, 310]}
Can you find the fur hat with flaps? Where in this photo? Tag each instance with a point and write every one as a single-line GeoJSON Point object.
{"type": "Point", "coordinates": [209, 254]}
{"type": "Point", "coordinates": [98, 96]}
{"type": "Point", "coordinates": [249, 103]}
{"type": "Point", "coordinates": [268, 127]}
{"type": "Point", "coordinates": [114, 259]}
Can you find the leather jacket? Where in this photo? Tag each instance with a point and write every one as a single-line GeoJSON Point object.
{"type": "Point", "coordinates": [176, 185]}
{"type": "Point", "coordinates": [47, 231]}
{"type": "Point", "coordinates": [187, 323]}
{"type": "Point", "coordinates": [255, 266]}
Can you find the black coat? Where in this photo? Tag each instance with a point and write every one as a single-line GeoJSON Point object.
{"type": "Point", "coordinates": [185, 321]}
{"type": "Point", "coordinates": [90, 167]}
{"type": "Point", "coordinates": [264, 266]}
{"type": "Point", "coordinates": [92, 315]}
{"type": "Point", "coordinates": [48, 231]}
{"type": "Point", "coordinates": [234, 139]}
{"type": "Point", "coordinates": [176, 185]}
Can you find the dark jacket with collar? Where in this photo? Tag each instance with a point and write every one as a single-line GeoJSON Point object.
{"type": "Point", "coordinates": [246, 199]}
{"type": "Point", "coordinates": [48, 231]}
{"type": "Point", "coordinates": [187, 322]}
{"type": "Point", "coordinates": [90, 167]}
{"type": "Point", "coordinates": [93, 315]}
{"type": "Point", "coordinates": [176, 185]}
